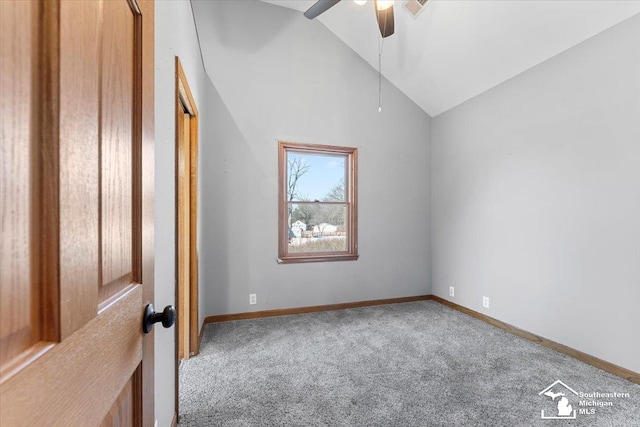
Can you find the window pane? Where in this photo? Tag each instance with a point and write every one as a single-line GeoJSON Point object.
{"type": "Point", "coordinates": [315, 177]}
{"type": "Point", "coordinates": [317, 227]}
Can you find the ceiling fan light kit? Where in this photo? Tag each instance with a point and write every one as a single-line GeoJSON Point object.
{"type": "Point", "coordinates": [383, 9]}
{"type": "Point", "coordinates": [383, 4]}
{"type": "Point", "coordinates": [384, 15]}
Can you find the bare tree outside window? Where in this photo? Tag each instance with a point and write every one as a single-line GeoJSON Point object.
{"type": "Point", "coordinates": [296, 168]}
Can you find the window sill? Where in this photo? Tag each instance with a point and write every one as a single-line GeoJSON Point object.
{"type": "Point", "coordinates": [316, 258]}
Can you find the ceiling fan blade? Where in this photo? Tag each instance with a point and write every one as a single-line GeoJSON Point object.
{"type": "Point", "coordinates": [385, 19]}
{"type": "Point", "coordinates": [319, 8]}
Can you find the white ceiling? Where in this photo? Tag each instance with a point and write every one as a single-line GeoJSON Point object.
{"type": "Point", "coordinates": [457, 49]}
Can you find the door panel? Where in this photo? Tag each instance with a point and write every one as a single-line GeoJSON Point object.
{"type": "Point", "coordinates": [120, 412]}
{"type": "Point", "coordinates": [19, 268]}
{"type": "Point", "coordinates": [116, 139]}
{"type": "Point", "coordinates": [79, 174]}
{"type": "Point", "coordinates": [92, 367]}
{"type": "Point", "coordinates": [77, 218]}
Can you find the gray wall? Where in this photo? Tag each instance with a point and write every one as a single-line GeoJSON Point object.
{"type": "Point", "coordinates": [278, 75]}
{"type": "Point", "coordinates": [171, 15]}
{"type": "Point", "coordinates": [536, 198]}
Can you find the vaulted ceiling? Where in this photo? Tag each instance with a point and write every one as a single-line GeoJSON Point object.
{"type": "Point", "coordinates": [457, 49]}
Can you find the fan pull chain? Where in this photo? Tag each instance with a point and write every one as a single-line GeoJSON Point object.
{"type": "Point", "coordinates": [380, 46]}
{"type": "Point", "coordinates": [379, 81]}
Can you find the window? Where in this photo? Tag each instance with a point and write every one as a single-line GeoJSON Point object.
{"type": "Point", "coordinates": [317, 204]}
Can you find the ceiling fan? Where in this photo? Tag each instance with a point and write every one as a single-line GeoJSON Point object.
{"type": "Point", "coordinates": [383, 8]}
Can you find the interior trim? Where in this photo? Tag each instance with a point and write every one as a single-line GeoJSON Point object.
{"type": "Point", "coordinates": [309, 309]}
{"type": "Point", "coordinates": [632, 376]}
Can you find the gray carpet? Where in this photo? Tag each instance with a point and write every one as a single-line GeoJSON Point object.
{"type": "Point", "coordinates": [413, 364]}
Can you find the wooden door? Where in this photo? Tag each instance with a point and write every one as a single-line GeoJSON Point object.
{"type": "Point", "coordinates": [187, 218]}
{"type": "Point", "coordinates": [76, 208]}
{"type": "Point", "coordinates": [184, 234]}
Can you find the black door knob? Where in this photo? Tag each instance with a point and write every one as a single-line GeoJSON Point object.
{"type": "Point", "coordinates": [167, 317]}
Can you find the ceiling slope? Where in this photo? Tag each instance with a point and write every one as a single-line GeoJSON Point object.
{"type": "Point", "coordinates": [457, 49]}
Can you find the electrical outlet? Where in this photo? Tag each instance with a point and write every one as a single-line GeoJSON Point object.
{"type": "Point", "coordinates": [485, 302]}
{"type": "Point", "coordinates": [252, 299]}
{"type": "Point", "coordinates": [452, 291]}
